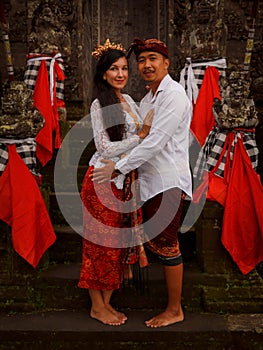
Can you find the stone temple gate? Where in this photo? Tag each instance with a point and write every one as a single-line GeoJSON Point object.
{"type": "Point", "coordinates": [205, 31]}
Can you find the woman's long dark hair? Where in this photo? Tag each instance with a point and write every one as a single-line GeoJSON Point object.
{"type": "Point", "coordinates": [113, 118]}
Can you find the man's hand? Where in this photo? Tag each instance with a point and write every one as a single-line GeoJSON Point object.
{"type": "Point", "coordinates": [104, 174]}
{"type": "Point", "coordinates": [147, 123]}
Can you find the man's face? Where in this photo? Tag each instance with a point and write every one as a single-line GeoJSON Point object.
{"type": "Point", "coordinates": [152, 66]}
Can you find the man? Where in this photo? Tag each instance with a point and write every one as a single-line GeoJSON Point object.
{"type": "Point", "coordinates": [163, 166]}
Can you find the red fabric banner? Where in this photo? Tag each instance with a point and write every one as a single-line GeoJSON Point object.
{"type": "Point", "coordinates": [203, 119]}
{"type": "Point", "coordinates": [22, 207]}
{"type": "Point", "coordinates": [242, 231]}
{"type": "Point", "coordinates": [215, 185]}
{"type": "Point", "coordinates": [42, 101]}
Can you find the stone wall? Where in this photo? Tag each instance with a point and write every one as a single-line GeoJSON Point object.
{"type": "Point", "coordinates": [89, 22]}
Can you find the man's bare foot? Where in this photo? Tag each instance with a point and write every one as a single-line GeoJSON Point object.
{"type": "Point", "coordinates": [165, 318]}
{"type": "Point", "coordinates": [106, 317]}
{"type": "Point", "coordinates": [122, 317]}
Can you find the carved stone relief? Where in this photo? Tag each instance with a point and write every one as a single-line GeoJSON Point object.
{"type": "Point", "coordinates": [18, 119]}
{"type": "Point", "coordinates": [49, 30]}
{"type": "Point", "coordinates": [195, 28]}
{"type": "Point", "coordinates": [236, 109]}
{"type": "Point", "coordinates": [43, 25]}
{"type": "Point", "coordinates": [199, 29]}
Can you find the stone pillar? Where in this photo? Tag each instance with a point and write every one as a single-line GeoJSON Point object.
{"type": "Point", "coordinates": [211, 254]}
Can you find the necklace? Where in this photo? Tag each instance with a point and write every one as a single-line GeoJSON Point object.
{"type": "Point", "coordinates": [135, 118]}
{"type": "Point", "coordinates": [127, 109]}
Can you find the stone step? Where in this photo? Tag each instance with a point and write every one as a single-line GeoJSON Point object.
{"type": "Point", "coordinates": [201, 292]}
{"type": "Point", "coordinates": [69, 171]}
{"type": "Point", "coordinates": [71, 208]}
{"type": "Point", "coordinates": [233, 299]}
{"type": "Point", "coordinates": [54, 286]}
{"type": "Point", "coordinates": [146, 290]}
{"type": "Point", "coordinates": [68, 245]}
{"type": "Point", "coordinates": [69, 330]}
{"type": "Point", "coordinates": [54, 283]}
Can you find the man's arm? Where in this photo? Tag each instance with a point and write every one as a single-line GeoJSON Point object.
{"type": "Point", "coordinates": [171, 121]}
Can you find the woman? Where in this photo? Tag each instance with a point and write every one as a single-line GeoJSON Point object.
{"type": "Point", "coordinates": [116, 131]}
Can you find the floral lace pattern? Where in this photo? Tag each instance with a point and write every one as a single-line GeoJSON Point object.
{"type": "Point", "coordinates": [106, 149]}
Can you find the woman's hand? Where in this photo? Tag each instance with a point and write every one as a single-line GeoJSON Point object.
{"type": "Point", "coordinates": [147, 123]}
{"type": "Point", "coordinates": [104, 174]}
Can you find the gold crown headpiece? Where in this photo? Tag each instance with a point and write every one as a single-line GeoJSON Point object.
{"type": "Point", "coordinates": [100, 49]}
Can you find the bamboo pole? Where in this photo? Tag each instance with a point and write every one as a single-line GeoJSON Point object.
{"type": "Point", "coordinates": [250, 40]}
{"type": "Point", "coordinates": [6, 42]}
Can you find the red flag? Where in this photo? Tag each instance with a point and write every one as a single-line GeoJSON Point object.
{"type": "Point", "coordinates": [215, 186]}
{"type": "Point", "coordinates": [203, 119]}
{"type": "Point", "coordinates": [42, 102]}
{"type": "Point", "coordinates": [22, 206]}
{"type": "Point", "coordinates": [56, 104]}
{"type": "Point", "coordinates": [242, 231]}
{"type": "Point", "coordinates": [5, 197]}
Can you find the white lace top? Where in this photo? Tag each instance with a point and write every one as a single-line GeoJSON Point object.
{"type": "Point", "coordinates": [107, 149]}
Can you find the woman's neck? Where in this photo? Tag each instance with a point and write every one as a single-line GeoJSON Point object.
{"type": "Point", "coordinates": [119, 95]}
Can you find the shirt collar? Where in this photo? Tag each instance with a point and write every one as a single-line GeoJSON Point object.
{"type": "Point", "coordinates": [161, 87]}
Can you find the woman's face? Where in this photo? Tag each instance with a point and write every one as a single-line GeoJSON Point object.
{"type": "Point", "coordinates": [117, 75]}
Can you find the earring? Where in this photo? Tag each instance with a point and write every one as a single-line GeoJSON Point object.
{"type": "Point", "coordinates": [104, 77]}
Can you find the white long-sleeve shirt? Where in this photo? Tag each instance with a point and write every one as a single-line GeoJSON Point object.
{"type": "Point", "coordinates": [162, 158]}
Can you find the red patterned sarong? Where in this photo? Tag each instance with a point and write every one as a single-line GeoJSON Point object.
{"type": "Point", "coordinates": [102, 258]}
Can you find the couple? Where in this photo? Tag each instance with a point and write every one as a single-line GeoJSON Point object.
{"type": "Point", "coordinates": [157, 152]}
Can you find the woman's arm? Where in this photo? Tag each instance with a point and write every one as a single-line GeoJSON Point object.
{"type": "Point", "coordinates": [104, 145]}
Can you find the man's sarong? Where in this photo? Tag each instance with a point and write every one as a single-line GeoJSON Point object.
{"type": "Point", "coordinates": [162, 215]}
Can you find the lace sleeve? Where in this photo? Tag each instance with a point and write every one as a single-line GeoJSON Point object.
{"type": "Point", "coordinates": [104, 146]}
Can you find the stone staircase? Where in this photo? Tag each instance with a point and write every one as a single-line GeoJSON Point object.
{"type": "Point", "coordinates": [44, 308]}
{"type": "Point", "coordinates": [73, 330]}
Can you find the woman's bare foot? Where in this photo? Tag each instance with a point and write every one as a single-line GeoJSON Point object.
{"type": "Point", "coordinates": [165, 318]}
{"type": "Point", "coordinates": [106, 317]}
{"type": "Point", "coordinates": [122, 317]}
